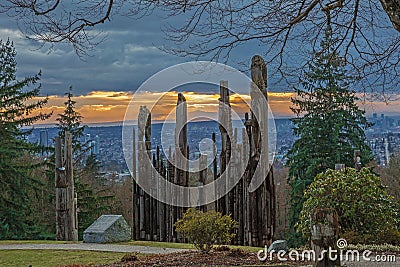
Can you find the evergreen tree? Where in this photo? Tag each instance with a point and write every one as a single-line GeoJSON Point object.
{"type": "Point", "coordinates": [17, 109]}
{"type": "Point", "coordinates": [94, 195]}
{"type": "Point", "coordinates": [70, 120]}
{"type": "Point", "coordinates": [329, 124]}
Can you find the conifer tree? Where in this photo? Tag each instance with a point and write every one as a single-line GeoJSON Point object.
{"type": "Point", "coordinates": [18, 108]}
{"type": "Point", "coordinates": [95, 197]}
{"type": "Point", "coordinates": [328, 123]}
{"type": "Point", "coordinates": [70, 120]}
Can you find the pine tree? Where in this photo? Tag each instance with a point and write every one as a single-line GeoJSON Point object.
{"type": "Point", "coordinates": [94, 194]}
{"type": "Point", "coordinates": [17, 109]}
{"type": "Point", "coordinates": [328, 123]}
{"type": "Point", "coordinates": [70, 120]}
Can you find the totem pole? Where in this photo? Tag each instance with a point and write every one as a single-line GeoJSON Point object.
{"type": "Point", "coordinates": [225, 127]}
{"type": "Point", "coordinates": [263, 199]}
{"type": "Point", "coordinates": [66, 199]}
{"type": "Point", "coordinates": [145, 173]}
{"type": "Point", "coordinates": [181, 153]}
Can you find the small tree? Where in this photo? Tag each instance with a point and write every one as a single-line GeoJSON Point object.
{"type": "Point", "coordinates": [360, 199]}
{"type": "Point", "coordinates": [205, 229]}
{"type": "Point", "coordinates": [71, 120]}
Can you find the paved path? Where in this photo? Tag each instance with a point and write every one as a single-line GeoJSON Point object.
{"type": "Point", "coordinates": [93, 247]}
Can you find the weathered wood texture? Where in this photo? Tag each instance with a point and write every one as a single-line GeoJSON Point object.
{"type": "Point", "coordinates": [254, 211]}
{"type": "Point", "coordinates": [324, 234]}
{"type": "Point", "coordinates": [66, 199]}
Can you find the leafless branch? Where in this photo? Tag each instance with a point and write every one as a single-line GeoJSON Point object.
{"type": "Point", "coordinates": [285, 29]}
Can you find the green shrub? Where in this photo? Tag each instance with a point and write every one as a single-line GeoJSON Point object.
{"type": "Point", "coordinates": [389, 236]}
{"type": "Point", "coordinates": [386, 248]}
{"type": "Point", "coordinates": [205, 229]}
{"type": "Point", "coordinates": [366, 212]}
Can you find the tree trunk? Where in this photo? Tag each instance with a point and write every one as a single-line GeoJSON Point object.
{"type": "Point", "coordinates": [392, 9]}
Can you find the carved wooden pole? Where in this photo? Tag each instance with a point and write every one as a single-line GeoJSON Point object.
{"type": "Point", "coordinates": [135, 192]}
{"type": "Point", "coordinates": [61, 191]}
{"type": "Point", "coordinates": [170, 209]}
{"type": "Point", "coordinates": [144, 174]}
{"type": "Point", "coordinates": [164, 211]}
{"type": "Point", "coordinates": [181, 150]}
{"type": "Point", "coordinates": [263, 218]}
{"type": "Point", "coordinates": [153, 204]}
{"type": "Point", "coordinates": [72, 216]}
{"type": "Point", "coordinates": [181, 153]}
{"type": "Point", "coordinates": [247, 178]}
{"type": "Point", "coordinates": [66, 200]}
{"type": "Point", "coordinates": [173, 208]}
{"type": "Point", "coordinates": [148, 175]}
{"type": "Point", "coordinates": [215, 170]}
{"type": "Point", "coordinates": [225, 127]}
{"type": "Point", "coordinates": [202, 180]}
{"type": "Point", "coordinates": [324, 234]}
{"type": "Point", "coordinates": [237, 190]}
{"type": "Point", "coordinates": [161, 193]}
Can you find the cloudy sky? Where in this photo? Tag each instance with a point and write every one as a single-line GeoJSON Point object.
{"type": "Point", "coordinates": [126, 58]}
{"type": "Point", "coordinates": [118, 66]}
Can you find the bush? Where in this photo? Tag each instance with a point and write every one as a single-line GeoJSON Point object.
{"type": "Point", "coordinates": [205, 229]}
{"type": "Point", "coordinates": [366, 211]}
{"type": "Point", "coordinates": [390, 237]}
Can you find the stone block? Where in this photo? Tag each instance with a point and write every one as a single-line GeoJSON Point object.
{"type": "Point", "coordinates": [108, 229]}
{"type": "Point", "coordinates": [278, 245]}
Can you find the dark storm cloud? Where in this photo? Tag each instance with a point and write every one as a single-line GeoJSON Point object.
{"type": "Point", "coordinates": [127, 57]}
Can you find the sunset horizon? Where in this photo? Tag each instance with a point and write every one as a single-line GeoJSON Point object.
{"type": "Point", "coordinates": [110, 106]}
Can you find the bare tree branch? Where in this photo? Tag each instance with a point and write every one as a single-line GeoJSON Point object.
{"type": "Point", "coordinates": [286, 29]}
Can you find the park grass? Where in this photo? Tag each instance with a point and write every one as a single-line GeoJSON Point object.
{"type": "Point", "coordinates": [17, 242]}
{"type": "Point", "coordinates": [53, 258]}
{"type": "Point", "coordinates": [130, 243]}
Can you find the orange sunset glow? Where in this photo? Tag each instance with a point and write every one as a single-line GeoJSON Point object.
{"type": "Point", "coordinates": [110, 106]}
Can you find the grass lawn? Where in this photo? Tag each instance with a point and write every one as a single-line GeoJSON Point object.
{"type": "Point", "coordinates": [52, 258]}
{"type": "Point", "coordinates": [130, 243]}
{"type": "Point", "coordinates": [12, 242]}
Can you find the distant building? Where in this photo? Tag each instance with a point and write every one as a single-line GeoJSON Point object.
{"type": "Point", "coordinates": [89, 143]}
{"type": "Point", "coordinates": [96, 145]}
{"type": "Point", "coordinates": [44, 141]}
{"type": "Point", "coordinates": [87, 138]}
